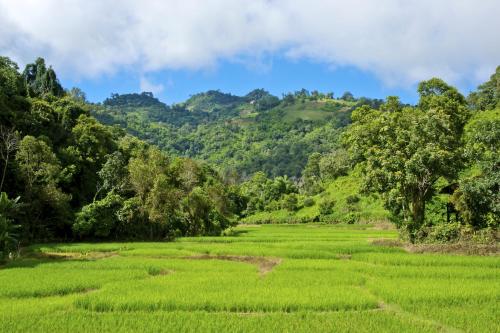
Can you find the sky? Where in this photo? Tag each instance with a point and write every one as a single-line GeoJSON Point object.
{"type": "Point", "coordinates": [174, 49]}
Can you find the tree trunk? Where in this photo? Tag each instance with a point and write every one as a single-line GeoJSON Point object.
{"type": "Point", "coordinates": [418, 216]}
{"type": "Point", "coordinates": [418, 211]}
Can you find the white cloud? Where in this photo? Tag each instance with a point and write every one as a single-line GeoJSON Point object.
{"type": "Point", "coordinates": [401, 42]}
{"type": "Point", "coordinates": [148, 86]}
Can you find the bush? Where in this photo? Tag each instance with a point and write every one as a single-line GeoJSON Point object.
{"type": "Point", "coordinates": [308, 202]}
{"type": "Point", "coordinates": [350, 218]}
{"type": "Point", "coordinates": [99, 218]}
{"type": "Point", "coordinates": [445, 232]}
{"type": "Point", "coordinates": [328, 218]}
{"type": "Point", "coordinates": [326, 206]}
{"type": "Point", "coordinates": [289, 202]}
{"type": "Point", "coordinates": [352, 199]}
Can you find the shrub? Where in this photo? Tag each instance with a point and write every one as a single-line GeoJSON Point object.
{"type": "Point", "coordinates": [350, 218]}
{"type": "Point", "coordinates": [289, 202]}
{"type": "Point", "coordinates": [308, 202]}
{"type": "Point", "coordinates": [99, 218]}
{"type": "Point", "coordinates": [328, 218]}
{"type": "Point", "coordinates": [352, 199]}
{"type": "Point", "coordinates": [445, 232]}
{"type": "Point", "coordinates": [326, 206]}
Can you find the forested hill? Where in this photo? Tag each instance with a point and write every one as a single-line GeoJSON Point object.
{"type": "Point", "coordinates": [240, 135]}
{"type": "Point", "coordinates": [75, 178]}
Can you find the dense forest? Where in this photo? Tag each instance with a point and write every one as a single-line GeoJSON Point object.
{"type": "Point", "coordinates": [65, 176]}
{"type": "Point", "coordinates": [133, 167]}
{"type": "Point", "coordinates": [238, 135]}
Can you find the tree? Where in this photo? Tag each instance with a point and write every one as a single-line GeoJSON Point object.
{"type": "Point", "coordinates": [312, 174]}
{"type": "Point", "coordinates": [478, 195]}
{"type": "Point", "coordinates": [488, 95]}
{"type": "Point", "coordinates": [78, 95]}
{"type": "Point", "coordinates": [197, 208]}
{"type": "Point", "coordinates": [406, 150]}
{"type": "Point", "coordinates": [41, 81]}
{"type": "Point", "coordinates": [144, 169]}
{"type": "Point", "coordinates": [290, 202]}
{"type": "Point", "coordinates": [99, 218]}
{"type": "Point", "coordinates": [163, 201]}
{"type": "Point", "coordinates": [9, 140]}
{"type": "Point", "coordinates": [93, 140]}
{"type": "Point", "coordinates": [113, 174]}
{"type": "Point", "coordinates": [10, 80]}
{"type": "Point", "coordinates": [335, 164]}
{"type": "Point", "coordinates": [37, 162]}
{"type": "Point", "coordinates": [12, 91]}
{"type": "Point", "coordinates": [348, 96]}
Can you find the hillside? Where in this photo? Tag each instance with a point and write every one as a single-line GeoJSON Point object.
{"type": "Point", "coordinates": [237, 134]}
{"type": "Point", "coordinates": [340, 201]}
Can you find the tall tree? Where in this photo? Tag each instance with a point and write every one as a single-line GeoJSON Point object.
{"type": "Point", "coordinates": [41, 81]}
{"type": "Point", "coordinates": [37, 162]}
{"type": "Point", "coordinates": [406, 150]}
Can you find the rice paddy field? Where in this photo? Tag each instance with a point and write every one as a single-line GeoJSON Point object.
{"type": "Point", "coordinates": [269, 278]}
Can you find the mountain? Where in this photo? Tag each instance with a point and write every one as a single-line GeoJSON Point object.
{"type": "Point", "coordinates": [239, 135]}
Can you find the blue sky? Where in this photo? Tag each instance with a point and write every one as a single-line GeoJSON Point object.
{"type": "Point", "coordinates": [279, 76]}
{"type": "Point", "coordinates": [178, 48]}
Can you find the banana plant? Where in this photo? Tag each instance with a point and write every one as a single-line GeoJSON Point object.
{"type": "Point", "coordinates": [8, 231]}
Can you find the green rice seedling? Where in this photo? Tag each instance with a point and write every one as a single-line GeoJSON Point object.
{"type": "Point", "coordinates": [268, 278]}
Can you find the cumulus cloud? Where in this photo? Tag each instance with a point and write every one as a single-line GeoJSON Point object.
{"type": "Point", "coordinates": [148, 86]}
{"type": "Point", "coordinates": [401, 42]}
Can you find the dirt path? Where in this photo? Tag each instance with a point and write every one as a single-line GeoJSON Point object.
{"type": "Point", "coordinates": [264, 264]}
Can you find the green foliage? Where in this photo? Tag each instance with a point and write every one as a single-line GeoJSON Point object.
{"type": "Point", "coordinates": [370, 207]}
{"type": "Point", "coordinates": [281, 160]}
{"type": "Point", "coordinates": [9, 238]}
{"type": "Point", "coordinates": [487, 96]}
{"type": "Point", "coordinates": [37, 162]}
{"type": "Point", "coordinates": [212, 101]}
{"type": "Point", "coordinates": [256, 132]}
{"type": "Point", "coordinates": [138, 100]}
{"type": "Point", "coordinates": [312, 174]}
{"type": "Point", "coordinates": [478, 196]}
{"type": "Point", "coordinates": [406, 150]}
{"type": "Point", "coordinates": [444, 232]}
{"type": "Point", "coordinates": [40, 80]}
{"type": "Point", "coordinates": [80, 178]}
{"type": "Point", "coordinates": [334, 164]}
{"type": "Point", "coordinates": [309, 202]}
{"type": "Point", "coordinates": [352, 199]}
{"type": "Point", "coordinates": [348, 96]}
{"type": "Point", "coordinates": [290, 202]}
{"type": "Point", "coordinates": [262, 100]}
{"type": "Point", "coordinates": [326, 206]}
{"type": "Point", "coordinates": [99, 219]}
{"type": "Point", "coordinates": [11, 81]}
{"type": "Point", "coordinates": [350, 218]}
{"type": "Point", "coordinates": [263, 193]}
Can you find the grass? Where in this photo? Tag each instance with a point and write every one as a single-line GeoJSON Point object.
{"type": "Point", "coordinates": [268, 278]}
{"type": "Point", "coordinates": [320, 110]}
